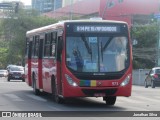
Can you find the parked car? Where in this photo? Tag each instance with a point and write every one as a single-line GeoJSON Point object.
{"type": "Point", "coordinates": [16, 73]}
{"type": "Point", "coordinates": [9, 66]}
{"type": "Point", "coordinates": [153, 78]}
{"type": "Point", "coordinates": [3, 73]}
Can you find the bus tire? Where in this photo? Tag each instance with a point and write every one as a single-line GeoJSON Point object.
{"type": "Point", "coordinates": [110, 100]}
{"type": "Point", "coordinates": [35, 90]}
{"type": "Point", "coordinates": [55, 96]}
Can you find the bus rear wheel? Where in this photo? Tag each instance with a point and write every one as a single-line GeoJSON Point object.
{"type": "Point", "coordinates": [110, 100]}
{"type": "Point", "coordinates": [55, 95]}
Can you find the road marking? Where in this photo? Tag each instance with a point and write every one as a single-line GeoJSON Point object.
{"type": "Point", "coordinates": [13, 97]}
{"type": "Point", "coordinates": [37, 98]}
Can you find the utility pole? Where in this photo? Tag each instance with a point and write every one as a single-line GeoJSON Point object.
{"type": "Point", "coordinates": [55, 3]}
{"type": "Point", "coordinates": [158, 40]}
{"type": "Point", "coordinates": [71, 9]}
{"type": "Point", "coordinates": [106, 6]}
{"type": "Point", "coordinates": [17, 7]}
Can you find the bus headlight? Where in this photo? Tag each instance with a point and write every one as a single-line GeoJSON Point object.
{"type": "Point", "coordinates": [70, 81]}
{"type": "Point", "coordinates": [126, 80]}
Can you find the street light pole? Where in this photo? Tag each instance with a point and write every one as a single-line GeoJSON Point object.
{"type": "Point", "coordinates": [158, 40]}
{"type": "Point", "coordinates": [71, 9]}
{"type": "Point", "coordinates": [104, 11]}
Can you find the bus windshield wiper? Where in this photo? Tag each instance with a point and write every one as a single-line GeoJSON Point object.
{"type": "Point", "coordinates": [86, 45]}
{"type": "Point", "coordinates": [105, 46]}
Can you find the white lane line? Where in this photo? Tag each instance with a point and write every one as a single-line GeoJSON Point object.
{"type": "Point", "coordinates": [37, 98]}
{"type": "Point", "coordinates": [13, 97]}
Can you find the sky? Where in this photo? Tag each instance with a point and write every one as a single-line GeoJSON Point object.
{"type": "Point", "coordinates": [26, 2]}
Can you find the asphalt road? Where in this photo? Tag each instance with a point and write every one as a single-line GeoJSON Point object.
{"type": "Point", "coordinates": [18, 96]}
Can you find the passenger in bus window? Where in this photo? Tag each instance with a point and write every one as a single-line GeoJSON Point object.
{"type": "Point", "coordinates": [117, 45]}
{"type": "Point", "coordinates": [53, 50]}
{"type": "Point", "coordinates": [78, 59]}
{"type": "Point", "coordinates": [102, 68]}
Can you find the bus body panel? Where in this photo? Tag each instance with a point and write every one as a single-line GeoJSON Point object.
{"type": "Point", "coordinates": [34, 71]}
{"type": "Point", "coordinates": [39, 74]}
{"type": "Point", "coordinates": [28, 72]}
{"type": "Point", "coordinates": [48, 70]}
{"type": "Point", "coordinates": [111, 87]}
{"type": "Point", "coordinates": [45, 68]}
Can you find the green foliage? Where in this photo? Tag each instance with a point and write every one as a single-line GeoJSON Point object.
{"type": "Point", "coordinates": [3, 54]}
{"type": "Point", "coordinates": [14, 32]}
{"type": "Point", "coordinates": [145, 52]}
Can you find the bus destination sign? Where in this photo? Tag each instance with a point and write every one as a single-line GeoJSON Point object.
{"type": "Point", "coordinates": [96, 28]}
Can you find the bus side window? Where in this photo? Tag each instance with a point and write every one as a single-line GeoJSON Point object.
{"type": "Point", "coordinates": [33, 45]}
{"type": "Point", "coordinates": [53, 44]}
{"type": "Point", "coordinates": [36, 46]}
{"type": "Point", "coordinates": [47, 45]}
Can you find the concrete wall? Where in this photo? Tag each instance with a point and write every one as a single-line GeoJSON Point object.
{"type": "Point", "coordinates": [139, 76]}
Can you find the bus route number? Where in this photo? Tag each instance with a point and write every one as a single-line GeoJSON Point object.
{"type": "Point", "coordinates": [114, 83]}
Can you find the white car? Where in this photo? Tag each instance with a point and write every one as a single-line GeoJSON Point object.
{"type": "Point", "coordinates": [3, 73]}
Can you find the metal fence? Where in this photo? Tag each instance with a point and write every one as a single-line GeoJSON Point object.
{"type": "Point", "coordinates": [139, 76]}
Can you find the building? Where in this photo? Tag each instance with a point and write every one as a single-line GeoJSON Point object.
{"type": "Point", "coordinates": [69, 2]}
{"type": "Point", "coordinates": [78, 9]}
{"type": "Point", "coordinates": [8, 7]}
{"type": "Point", "coordinates": [130, 11]}
{"type": "Point", "coordinates": [57, 4]}
{"type": "Point", "coordinates": [43, 6]}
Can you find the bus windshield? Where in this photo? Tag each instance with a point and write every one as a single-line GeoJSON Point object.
{"type": "Point", "coordinates": [97, 54]}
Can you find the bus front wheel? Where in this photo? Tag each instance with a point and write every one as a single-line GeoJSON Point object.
{"type": "Point", "coordinates": [110, 100]}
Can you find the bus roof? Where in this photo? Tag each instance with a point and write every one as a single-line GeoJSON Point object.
{"type": "Point", "coordinates": [60, 24]}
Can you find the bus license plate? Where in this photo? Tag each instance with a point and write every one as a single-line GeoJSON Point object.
{"type": "Point", "coordinates": [99, 94]}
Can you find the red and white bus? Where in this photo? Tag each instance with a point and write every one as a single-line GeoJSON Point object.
{"type": "Point", "coordinates": [80, 58]}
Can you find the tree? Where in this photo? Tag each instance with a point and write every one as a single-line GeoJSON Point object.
{"type": "Point", "coordinates": [14, 32]}
{"type": "Point", "coordinates": [145, 52]}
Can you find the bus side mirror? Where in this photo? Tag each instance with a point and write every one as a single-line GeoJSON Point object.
{"type": "Point", "coordinates": [59, 48]}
